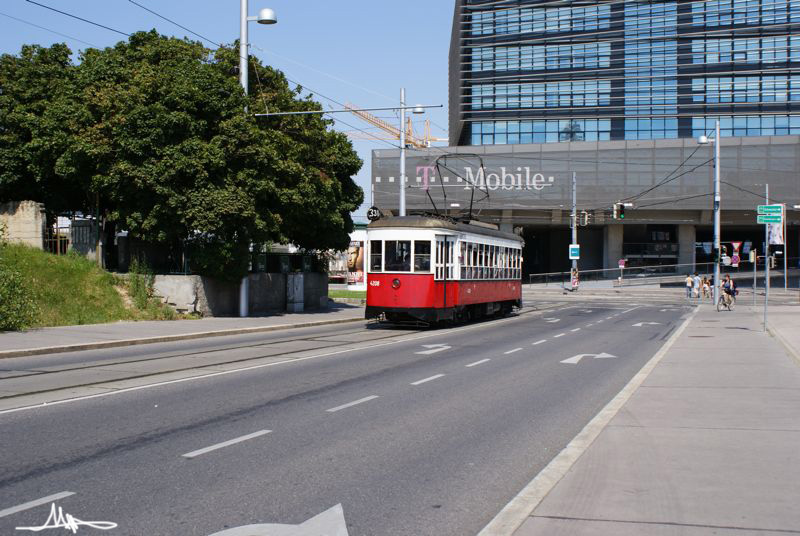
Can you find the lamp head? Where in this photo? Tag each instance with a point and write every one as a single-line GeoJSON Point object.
{"type": "Point", "coordinates": [418, 109]}
{"type": "Point", "coordinates": [267, 16]}
{"type": "Point", "coordinates": [703, 140]}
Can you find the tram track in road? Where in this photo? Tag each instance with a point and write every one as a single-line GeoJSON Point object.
{"type": "Point", "coordinates": [281, 355]}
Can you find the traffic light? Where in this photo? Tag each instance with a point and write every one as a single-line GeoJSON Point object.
{"type": "Point", "coordinates": [615, 211]}
{"type": "Point", "coordinates": [772, 261]}
{"type": "Point", "coordinates": [584, 218]}
{"type": "Point", "coordinates": [622, 211]}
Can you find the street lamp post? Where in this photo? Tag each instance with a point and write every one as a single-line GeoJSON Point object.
{"type": "Point", "coordinates": [265, 16]}
{"type": "Point", "coordinates": [717, 246]}
{"type": "Point", "coordinates": [417, 110]}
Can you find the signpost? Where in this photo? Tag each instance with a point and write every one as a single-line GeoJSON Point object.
{"type": "Point", "coordinates": [770, 218]}
{"type": "Point", "coordinates": [574, 252]}
{"type": "Point", "coordinates": [770, 209]}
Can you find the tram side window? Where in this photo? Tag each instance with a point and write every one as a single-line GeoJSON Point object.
{"type": "Point", "coordinates": [398, 255]}
{"type": "Point", "coordinates": [422, 256]}
{"type": "Point", "coordinates": [376, 256]}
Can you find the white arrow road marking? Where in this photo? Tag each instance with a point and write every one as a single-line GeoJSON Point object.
{"type": "Point", "coordinates": [433, 348]}
{"type": "Point", "coordinates": [330, 523]}
{"type": "Point", "coordinates": [551, 320]}
{"type": "Point", "coordinates": [640, 324]}
{"type": "Point", "coordinates": [577, 358]}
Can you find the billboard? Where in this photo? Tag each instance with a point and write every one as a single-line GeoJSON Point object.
{"type": "Point", "coordinates": [355, 263]}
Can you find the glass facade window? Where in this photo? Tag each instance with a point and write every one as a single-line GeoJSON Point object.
{"type": "Point", "coordinates": [541, 20]}
{"type": "Point", "coordinates": [751, 89]}
{"type": "Point", "coordinates": [748, 125]}
{"type": "Point", "coordinates": [737, 12]}
{"type": "Point", "coordinates": [545, 95]}
{"type": "Point", "coordinates": [541, 57]}
{"type": "Point", "coordinates": [755, 50]}
{"type": "Point", "coordinates": [504, 132]}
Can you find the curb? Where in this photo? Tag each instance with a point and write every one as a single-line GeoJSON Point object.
{"type": "Point", "coordinates": [514, 514]}
{"type": "Point", "coordinates": [165, 338]}
{"type": "Point", "coordinates": [791, 350]}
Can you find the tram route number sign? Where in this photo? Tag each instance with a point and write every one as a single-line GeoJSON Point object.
{"type": "Point", "coordinates": [574, 252]}
{"type": "Point", "coordinates": [374, 213]}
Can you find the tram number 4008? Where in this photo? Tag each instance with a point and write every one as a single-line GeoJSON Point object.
{"type": "Point", "coordinates": [374, 283]}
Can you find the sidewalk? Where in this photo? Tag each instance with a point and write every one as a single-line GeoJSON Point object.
{"type": "Point", "coordinates": [93, 336]}
{"type": "Point", "coordinates": [709, 443]}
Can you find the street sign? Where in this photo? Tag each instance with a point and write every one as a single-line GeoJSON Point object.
{"type": "Point", "coordinates": [574, 252]}
{"type": "Point", "coordinates": [770, 218]}
{"type": "Point", "coordinates": [770, 209]}
{"type": "Point", "coordinates": [753, 254]}
{"type": "Point", "coordinates": [735, 260]}
{"type": "Point", "coordinates": [622, 263]}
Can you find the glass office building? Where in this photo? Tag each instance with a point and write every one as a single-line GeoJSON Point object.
{"type": "Point", "coordinates": [542, 71]}
{"type": "Point", "coordinates": [616, 92]}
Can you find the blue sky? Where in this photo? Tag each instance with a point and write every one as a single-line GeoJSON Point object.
{"type": "Point", "coordinates": [361, 51]}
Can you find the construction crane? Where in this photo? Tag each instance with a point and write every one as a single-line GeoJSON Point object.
{"type": "Point", "coordinates": [412, 140]}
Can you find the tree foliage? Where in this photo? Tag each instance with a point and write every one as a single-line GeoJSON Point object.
{"type": "Point", "coordinates": [155, 127]}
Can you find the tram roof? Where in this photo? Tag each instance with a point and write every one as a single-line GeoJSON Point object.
{"type": "Point", "coordinates": [427, 222]}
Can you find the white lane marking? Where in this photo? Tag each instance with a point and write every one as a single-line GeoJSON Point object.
{"type": "Point", "coordinates": [559, 335]}
{"type": "Point", "coordinates": [418, 382]}
{"type": "Point", "coordinates": [539, 342]}
{"type": "Point", "coordinates": [477, 362]}
{"type": "Point", "coordinates": [482, 325]}
{"type": "Point", "coordinates": [224, 444]}
{"type": "Point", "coordinates": [574, 360]}
{"type": "Point", "coordinates": [599, 321]}
{"type": "Point", "coordinates": [512, 351]}
{"type": "Point", "coordinates": [589, 325]}
{"type": "Point", "coordinates": [33, 504]}
{"type": "Point", "coordinates": [552, 320]}
{"type": "Point", "coordinates": [640, 324]}
{"type": "Point", "coordinates": [609, 317]}
{"type": "Point", "coordinates": [353, 403]}
{"type": "Point", "coordinates": [576, 329]}
{"type": "Point", "coordinates": [433, 348]}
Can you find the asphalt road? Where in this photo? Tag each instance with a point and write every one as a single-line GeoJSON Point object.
{"type": "Point", "coordinates": [409, 437]}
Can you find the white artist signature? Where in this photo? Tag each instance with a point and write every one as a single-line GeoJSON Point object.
{"type": "Point", "coordinates": [59, 520]}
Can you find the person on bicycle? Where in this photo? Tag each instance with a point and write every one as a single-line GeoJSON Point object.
{"type": "Point", "coordinates": [728, 289]}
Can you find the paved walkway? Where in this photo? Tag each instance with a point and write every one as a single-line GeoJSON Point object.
{"type": "Point", "coordinates": [127, 333]}
{"type": "Point", "coordinates": [709, 443]}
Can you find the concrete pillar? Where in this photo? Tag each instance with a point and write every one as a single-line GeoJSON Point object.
{"type": "Point", "coordinates": [687, 236]}
{"type": "Point", "coordinates": [506, 221]}
{"type": "Point", "coordinates": [612, 245]}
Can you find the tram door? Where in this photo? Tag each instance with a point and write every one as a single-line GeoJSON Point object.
{"type": "Point", "coordinates": [444, 267]}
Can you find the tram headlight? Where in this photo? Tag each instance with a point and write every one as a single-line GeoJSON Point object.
{"type": "Point", "coordinates": [396, 284]}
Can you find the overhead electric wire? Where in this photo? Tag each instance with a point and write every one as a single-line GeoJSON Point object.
{"type": "Point", "coordinates": [78, 18]}
{"type": "Point", "coordinates": [48, 30]}
{"type": "Point", "coordinates": [175, 23]}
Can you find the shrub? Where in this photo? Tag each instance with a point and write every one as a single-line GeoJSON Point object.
{"type": "Point", "coordinates": [141, 283]}
{"type": "Point", "coordinates": [17, 305]}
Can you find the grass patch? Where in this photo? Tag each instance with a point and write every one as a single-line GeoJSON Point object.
{"type": "Point", "coordinates": [72, 290]}
{"type": "Point", "coordinates": [337, 293]}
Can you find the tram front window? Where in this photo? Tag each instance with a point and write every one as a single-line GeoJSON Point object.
{"type": "Point", "coordinates": [376, 256]}
{"type": "Point", "coordinates": [398, 255]}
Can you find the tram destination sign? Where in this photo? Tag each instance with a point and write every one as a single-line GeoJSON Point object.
{"type": "Point", "coordinates": [770, 209]}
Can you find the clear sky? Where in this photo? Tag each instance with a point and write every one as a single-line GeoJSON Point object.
{"type": "Point", "coordinates": [359, 51]}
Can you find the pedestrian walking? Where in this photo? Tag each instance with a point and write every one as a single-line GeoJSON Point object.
{"type": "Point", "coordinates": [689, 285]}
{"type": "Point", "coordinates": [697, 283]}
{"type": "Point", "coordinates": [706, 287]}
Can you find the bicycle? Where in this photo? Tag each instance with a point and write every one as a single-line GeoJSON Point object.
{"type": "Point", "coordinates": [726, 301]}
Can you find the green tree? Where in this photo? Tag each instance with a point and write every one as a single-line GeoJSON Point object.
{"type": "Point", "coordinates": [155, 126]}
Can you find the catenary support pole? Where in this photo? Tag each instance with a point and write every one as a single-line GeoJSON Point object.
{"type": "Point", "coordinates": [785, 251]}
{"type": "Point", "coordinates": [402, 151]}
{"type": "Point", "coordinates": [244, 292]}
{"type": "Point", "coordinates": [716, 215]}
{"type": "Point", "coordinates": [574, 219]}
{"type": "Point", "coordinates": [766, 259]}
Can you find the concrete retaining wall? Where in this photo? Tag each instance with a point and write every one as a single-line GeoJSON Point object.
{"type": "Point", "coordinates": [267, 293]}
{"type": "Point", "coordinates": [24, 222]}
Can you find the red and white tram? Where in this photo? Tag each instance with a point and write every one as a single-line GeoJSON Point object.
{"type": "Point", "coordinates": [426, 269]}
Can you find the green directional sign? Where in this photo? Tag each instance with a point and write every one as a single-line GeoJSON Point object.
{"type": "Point", "coordinates": [770, 209]}
{"type": "Point", "coordinates": [770, 218]}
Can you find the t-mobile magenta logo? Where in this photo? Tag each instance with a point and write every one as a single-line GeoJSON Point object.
{"type": "Point", "coordinates": [426, 175]}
